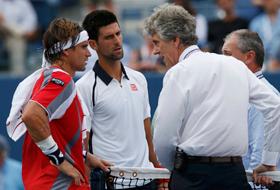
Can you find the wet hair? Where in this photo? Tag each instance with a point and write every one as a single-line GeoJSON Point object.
{"type": "Point", "coordinates": [97, 19]}
{"type": "Point", "coordinates": [60, 30]}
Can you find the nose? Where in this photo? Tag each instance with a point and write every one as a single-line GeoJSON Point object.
{"type": "Point", "coordinates": [118, 40]}
{"type": "Point", "coordinates": [88, 54]}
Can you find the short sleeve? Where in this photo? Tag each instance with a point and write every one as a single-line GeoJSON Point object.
{"type": "Point", "coordinates": [55, 94]}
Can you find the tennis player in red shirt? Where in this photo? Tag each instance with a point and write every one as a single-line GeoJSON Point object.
{"type": "Point", "coordinates": [53, 156]}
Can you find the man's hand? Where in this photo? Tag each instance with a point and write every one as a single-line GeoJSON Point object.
{"type": "Point", "coordinates": [95, 162]}
{"type": "Point", "coordinates": [263, 180]}
{"type": "Point", "coordinates": [68, 169]}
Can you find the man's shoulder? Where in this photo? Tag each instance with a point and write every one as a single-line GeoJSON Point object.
{"type": "Point", "coordinates": [61, 74]}
{"type": "Point", "coordinates": [134, 74]}
{"type": "Point", "coordinates": [52, 76]}
{"type": "Point", "coordinates": [57, 77]}
{"type": "Point", "coordinates": [87, 79]}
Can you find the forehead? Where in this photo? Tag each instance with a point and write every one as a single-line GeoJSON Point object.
{"type": "Point", "coordinates": [156, 39]}
{"type": "Point", "coordinates": [155, 36]}
{"type": "Point", "coordinates": [109, 29]}
{"type": "Point", "coordinates": [230, 41]}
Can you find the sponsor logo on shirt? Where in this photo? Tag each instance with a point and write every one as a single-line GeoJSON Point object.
{"type": "Point", "coordinates": [133, 87]}
{"type": "Point", "coordinates": [57, 81]}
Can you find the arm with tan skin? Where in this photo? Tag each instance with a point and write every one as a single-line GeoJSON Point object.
{"type": "Point", "coordinates": [149, 138]}
{"type": "Point", "coordinates": [92, 161]}
{"type": "Point", "coordinates": [152, 155]}
{"type": "Point", "coordinates": [37, 123]}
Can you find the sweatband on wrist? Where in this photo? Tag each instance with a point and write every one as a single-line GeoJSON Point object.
{"type": "Point", "coordinates": [50, 149]}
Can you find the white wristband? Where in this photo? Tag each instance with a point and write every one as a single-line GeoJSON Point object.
{"type": "Point", "coordinates": [50, 149]}
{"type": "Point", "coordinates": [47, 145]}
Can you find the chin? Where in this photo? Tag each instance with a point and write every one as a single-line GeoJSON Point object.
{"type": "Point", "coordinates": [117, 57]}
{"type": "Point", "coordinates": [81, 68]}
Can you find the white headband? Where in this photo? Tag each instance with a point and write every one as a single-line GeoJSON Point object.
{"type": "Point", "coordinates": [59, 46]}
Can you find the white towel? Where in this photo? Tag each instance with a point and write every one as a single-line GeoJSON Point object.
{"type": "Point", "coordinates": [15, 127]}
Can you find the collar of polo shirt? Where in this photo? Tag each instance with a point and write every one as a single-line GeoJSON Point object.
{"type": "Point", "coordinates": [103, 75]}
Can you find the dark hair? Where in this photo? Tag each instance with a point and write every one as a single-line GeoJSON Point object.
{"type": "Point", "coordinates": [59, 30]}
{"type": "Point", "coordinates": [97, 19]}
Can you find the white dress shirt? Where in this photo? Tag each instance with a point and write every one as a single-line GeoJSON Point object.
{"type": "Point", "coordinates": [203, 108]}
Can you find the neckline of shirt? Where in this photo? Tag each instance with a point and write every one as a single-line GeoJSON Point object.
{"type": "Point", "coordinates": [188, 51]}
{"type": "Point", "coordinates": [259, 74]}
{"type": "Point", "coordinates": [103, 75]}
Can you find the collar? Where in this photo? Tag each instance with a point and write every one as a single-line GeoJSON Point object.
{"type": "Point", "coordinates": [188, 51]}
{"type": "Point", "coordinates": [259, 74]}
{"type": "Point", "coordinates": [103, 75]}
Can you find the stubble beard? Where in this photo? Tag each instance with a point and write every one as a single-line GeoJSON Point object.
{"type": "Point", "coordinates": [115, 57]}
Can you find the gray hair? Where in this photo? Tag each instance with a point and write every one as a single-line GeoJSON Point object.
{"type": "Point", "coordinates": [170, 21]}
{"type": "Point", "coordinates": [247, 41]}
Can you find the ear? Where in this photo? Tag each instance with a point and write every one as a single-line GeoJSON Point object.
{"type": "Point", "coordinates": [93, 44]}
{"type": "Point", "coordinates": [177, 42]}
{"type": "Point", "coordinates": [250, 57]}
{"type": "Point", "coordinates": [65, 52]}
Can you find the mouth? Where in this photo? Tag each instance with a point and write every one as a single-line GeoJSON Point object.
{"type": "Point", "coordinates": [118, 49]}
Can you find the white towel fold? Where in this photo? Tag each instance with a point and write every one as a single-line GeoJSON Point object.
{"type": "Point", "coordinates": [15, 127]}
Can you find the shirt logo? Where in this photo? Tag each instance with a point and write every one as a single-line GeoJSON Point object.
{"type": "Point", "coordinates": [57, 81]}
{"type": "Point", "coordinates": [133, 87]}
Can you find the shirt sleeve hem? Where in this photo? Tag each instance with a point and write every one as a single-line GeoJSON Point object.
{"type": "Point", "coordinates": [270, 158]}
